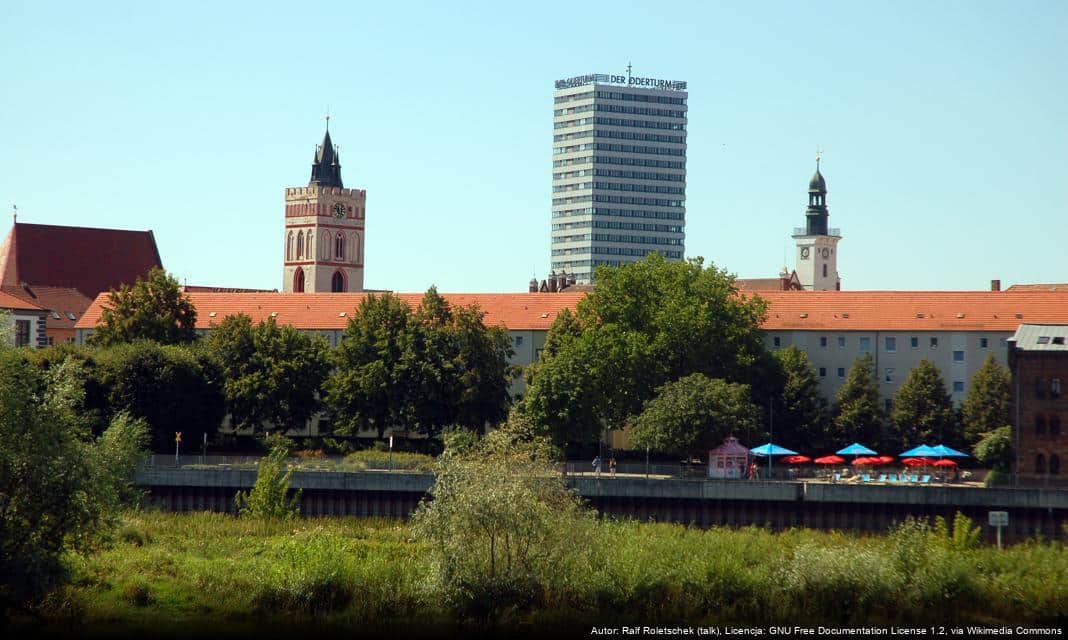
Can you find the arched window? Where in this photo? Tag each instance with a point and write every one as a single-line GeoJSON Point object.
{"type": "Point", "coordinates": [300, 245]}
{"type": "Point", "coordinates": [289, 246]}
{"type": "Point", "coordinates": [1040, 425]}
{"type": "Point", "coordinates": [298, 280]}
{"type": "Point", "coordinates": [337, 283]}
{"type": "Point", "coordinates": [824, 269]}
{"type": "Point", "coordinates": [1054, 464]}
{"type": "Point", "coordinates": [1055, 425]}
{"type": "Point", "coordinates": [1055, 387]}
{"type": "Point", "coordinates": [339, 246]}
{"type": "Point", "coordinates": [1040, 463]}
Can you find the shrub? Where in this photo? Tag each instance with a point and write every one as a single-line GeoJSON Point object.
{"type": "Point", "coordinates": [378, 459]}
{"type": "Point", "coordinates": [269, 497]}
{"type": "Point", "coordinates": [137, 594]}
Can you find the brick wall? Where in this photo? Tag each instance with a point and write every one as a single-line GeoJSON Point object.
{"type": "Point", "coordinates": [1043, 413]}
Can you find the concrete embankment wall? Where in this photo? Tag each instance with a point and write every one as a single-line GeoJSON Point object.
{"type": "Point", "coordinates": [704, 503]}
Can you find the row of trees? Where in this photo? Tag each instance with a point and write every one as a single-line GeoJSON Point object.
{"type": "Point", "coordinates": [422, 369]}
{"type": "Point", "coordinates": [668, 349]}
{"type": "Point", "coordinates": [922, 410]}
{"type": "Point", "coordinates": [674, 352]}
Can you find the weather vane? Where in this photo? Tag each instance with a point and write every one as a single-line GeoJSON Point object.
{"type": "Point", "coordinates": [328, 118]}
{"type": "Point", "coordinates": [15, 212]}
{"type": "Point", "coordinates": [819, 156]}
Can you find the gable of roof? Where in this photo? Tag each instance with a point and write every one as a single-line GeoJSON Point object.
{"type": "Point", "coordinates": [60, 302]}
{"type": "Point", "coordinates": [15, 303]}
{"type": "Point", "coordinates": [87, 259]}
{"type": "Point", "coordinates": [331, 311]}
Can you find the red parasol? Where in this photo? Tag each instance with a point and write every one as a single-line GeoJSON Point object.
{"type": "Point", "coordinates": [945, 462]}
{"type": "Point", "coordinates": [885, 459]}
{"type": "Point", "coordinates": [796, 459]}
{"type": "Point", "coordinates": [830, 460]}
{"type": "Point", "coordinates": [917, 462]}
{"type": "Point", "coordinates": [865, 462]}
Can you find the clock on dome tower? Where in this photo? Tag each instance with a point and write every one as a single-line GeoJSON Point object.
{"type": "Point", "coordinates": [324, 230]}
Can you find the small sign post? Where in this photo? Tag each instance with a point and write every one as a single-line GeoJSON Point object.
{"type": "Point", "coordinates": [998, 519]}
{"type": "Point", "coordinates": [391, 452]}
{"type": "Point", "coordinates": [177, 442]}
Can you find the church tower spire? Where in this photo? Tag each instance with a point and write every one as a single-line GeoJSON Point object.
{"type": "Point", "coordinates": [326, 167]}
{"type": "Point", "coordinates": [817, 245]}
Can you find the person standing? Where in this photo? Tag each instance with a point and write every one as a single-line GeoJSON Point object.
{"type": "Point", "coordinates": [597, 465]}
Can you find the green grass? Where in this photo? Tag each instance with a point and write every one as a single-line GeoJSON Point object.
{"type": "Point", "coordinates": [214, 571]}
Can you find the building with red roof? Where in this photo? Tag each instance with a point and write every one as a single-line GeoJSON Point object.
{"type": "Point", "coordinates": [62, 269]}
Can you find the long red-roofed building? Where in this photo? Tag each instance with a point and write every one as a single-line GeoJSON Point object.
{"type": "Point", "coordinates": [955, 330]}
{"type": "Point", "coordinates": [62, 269]}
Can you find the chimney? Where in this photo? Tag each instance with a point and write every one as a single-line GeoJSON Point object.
{"type": "Point", "coordinates": [995, 285]}
{"type": "Point", "coordinates": [552, 282]}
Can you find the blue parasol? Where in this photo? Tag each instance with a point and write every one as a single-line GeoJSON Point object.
{"type": "Point", "coordinates": [856, 449]}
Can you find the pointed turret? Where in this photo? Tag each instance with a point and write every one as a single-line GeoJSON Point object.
{"type": "Point", "coordinates": [326, 169]}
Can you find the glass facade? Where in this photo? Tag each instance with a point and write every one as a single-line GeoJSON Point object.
{"type": "Point", "coordinates": [619, 164]}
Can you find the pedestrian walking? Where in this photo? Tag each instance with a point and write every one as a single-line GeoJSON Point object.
{"type": "Point", "coordinates": [597, 465]}
{"type": "Point", "coordinates": [612, 466]}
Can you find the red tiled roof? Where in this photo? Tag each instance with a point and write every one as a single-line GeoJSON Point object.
{"type": "Point", "coordinates": [1039, 287]}
{"type": "Point", "coordinates": [912, 310]}
{"type": "Point", "coordinates": [830, 310]}
{"type": "Point", "coordinates": [89, 260]}
{"type": "Point", "coordinates": [758, 284]}
{"type": "Point", "coordinates": [61, 300]}
{"type": "Point", "coordinates": [8, 301]}
{"type": "Point", "coordinates": [517, 311]}
{"type": "Point", "coordinates": [199, 288]}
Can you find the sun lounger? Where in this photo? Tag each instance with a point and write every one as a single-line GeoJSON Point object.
{"type": "Point", "coordinates": [882, 477]}
{"type": "Point", "coordinates": [925, 480]}
{"type": "Point", "coordinates": [866, 477]}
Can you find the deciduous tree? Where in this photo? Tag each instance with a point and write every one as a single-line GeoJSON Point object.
{"type": "Point", "coordinates": [155, 308]}
{"type": "Point", "coordinates": [644, 324]}
{"type": "Point", "coordinates": [693, 414]}
{"type": "Point", "coordinates": [272, 373]}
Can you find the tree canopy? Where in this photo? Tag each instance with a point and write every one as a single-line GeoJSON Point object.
{"type": "Point", "coordinates": [986, 407]}
{"type": "Point", "coordinates": [272, 373]}
{"type": "Point", "coordinates": [800, 418]}
{"type": "Point", "coordinates": [644, 324]}
{"type": "Point", "coordinates": [154, 308]}
{"type": "Point", "coordinates": [60, 487]}
{"type": "Point", "coordinates": [923, 410]}
{"type": "Point", "coordinates": [420, 370]}
{"type": "Point", "coordinates": [693, 414]}
{"type": "Point", "coordinates": [858, 414]}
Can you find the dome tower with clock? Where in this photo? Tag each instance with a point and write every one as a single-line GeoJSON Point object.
{"type": "Point", "coordinates": [324, 230]}
{"type": "Point", "coordinates": [817, 245]}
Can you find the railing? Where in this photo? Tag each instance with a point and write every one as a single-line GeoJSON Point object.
{"type": "Point", "coordinates": [834, 232]}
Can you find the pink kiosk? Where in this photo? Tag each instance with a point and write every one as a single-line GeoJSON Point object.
{"type": "Point", "coordinates": [729, 460]}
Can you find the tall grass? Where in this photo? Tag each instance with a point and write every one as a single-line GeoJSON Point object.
{"type": "Point", "coordinates": [171, 569]}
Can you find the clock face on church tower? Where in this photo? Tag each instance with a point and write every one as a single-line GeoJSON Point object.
{"type": "Point", "coordinates": [339, 210]}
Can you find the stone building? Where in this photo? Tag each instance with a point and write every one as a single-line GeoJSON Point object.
{"type": "Point", "coordinates": [324, 230]}
{"type": "Point", "coordinates": [1038, 358]}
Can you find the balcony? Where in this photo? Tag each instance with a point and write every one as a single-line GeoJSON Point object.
{"type": "Point", "coordinates": [836, 233]}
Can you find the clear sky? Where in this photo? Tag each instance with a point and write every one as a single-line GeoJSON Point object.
{"type": "Point", "coordinates": [944, 127]}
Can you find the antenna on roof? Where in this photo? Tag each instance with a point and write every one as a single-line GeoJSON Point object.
{"type": "Point", "coordinates": [628, 72]}
{"type": "Point", "coordinates": [15, 212]}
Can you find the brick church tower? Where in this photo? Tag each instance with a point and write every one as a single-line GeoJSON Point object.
{"type": "Point", "coordinates": [324, 231]}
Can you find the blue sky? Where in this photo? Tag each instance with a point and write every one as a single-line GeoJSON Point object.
{"type": "Point", "coordinates": [944, 126]}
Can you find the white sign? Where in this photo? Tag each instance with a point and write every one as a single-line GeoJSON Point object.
{"type": "Point", "coordinates": [999, 518]}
